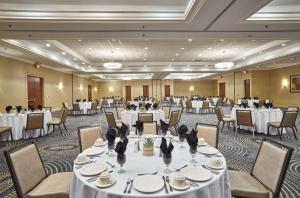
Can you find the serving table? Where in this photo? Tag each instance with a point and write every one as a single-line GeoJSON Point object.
{"type": "Point", "coordinates": [217, 186]}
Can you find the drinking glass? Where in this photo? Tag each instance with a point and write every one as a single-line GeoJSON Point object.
{"type": "Point", "coordinates": [167, 160]}
{"type": "Point", "coordinates": [121, 159]}
{"type": "Point", "coordinates": [193, 152]}
{"type": "Point", "coordinates": [181, 140]}
{"type": "Point", "coordinates": [111, 147]}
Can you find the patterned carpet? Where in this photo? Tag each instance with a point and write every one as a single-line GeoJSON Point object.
{"type": "Point", "coordinates": [59, 151]}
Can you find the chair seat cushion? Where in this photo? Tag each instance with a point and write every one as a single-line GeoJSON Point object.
{"type": "Point", "coordinates": [244, 185]}
{"type": "Point", "coordinates": [55, 121]}
{"type": "Point", "coordinates": [56, 185]}
{"type": "Point", "coordinates": [226, 119]}
{"type": "Point", "coordinates": [274, 124]}
{"type": "Point", "coordinates": [227, 116]}
{"type": "Point", "coordinates": [4, 129]}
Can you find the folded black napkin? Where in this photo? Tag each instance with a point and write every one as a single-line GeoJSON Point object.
{"type": "Point", "coordinates": [31, 107]}
{"type": "Point", "coordinates": [192, 139]}
{"type": "Point", "coordinates": [128, 107]}
{"type": "Point", "coordinates": [164, 126]}
{"type": "Point", "coordinates": [182, 130]}
{"type": "Point", "coordinates": [165, 149]}
{"type": "Point", "coordinates": [256, 104]}
{"type": "Point", "coordinates": [78, 100]}
{"type": "Point", "coordinates": [121, 146]}
{"type": "Point", "coordinates": [84, 100]}
{"type": "Point", "coordinates": [155, 106]}
{"type": "Point", "coordinates": [19, 108]}
{"type": "Point", "coordinates": [139, 125]}
{"type": "Point", "coordinates": [40, 107]}
{"type": "Point", "coordinates": [123, 130]}
{"type": "Point", "coordinates": [147, 106]}
{"type": "Point", "coordinates": [111, 135]}
{"type": "Point", "coordinates": [133, 107]}
{"type": "Point", "coordinates": [8, 109]}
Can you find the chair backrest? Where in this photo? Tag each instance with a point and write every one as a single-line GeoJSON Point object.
{"type": "Point", "coordinates": [94, 106]}
{"type": "Point", "coordinates": [88, 135]}
{"type": "Point", "coordinates": [271, 164]}
{"type": "Point", "coordinates": [64, 116]}
{"type": "Point", "coordinates": [180, 113]}
{"type": "Point", "coordinates": [76, 107]}
{"type": "Point", "coordinates": [244, 117]}
{"type": "Point", "coordinates": [293, 109]}
{"type": "Point", "coordinates": [65, 105]}
{"type": "Point", "coordinates": [119, 111]}
{"type": "Point", "coordinates": [218, 112]}
{"type": "Point", "coordinates": [26, 168]}
{"type": "Point", "coordinates": [145, 117]}
{"type": "Point", "coordinates": [166, 110]}
{"type": "Point", "coordinates": [110, 120]}
{"type": "Point", "coordinates": [205, 105]}
{"type": "Point", "coordinates": [150, 128]}
{"type": "Point", "coordinates": [35, 121]}
{"type": "Point", "coordinates": [289, 119]}
{"type": "Point", "coordinates": [210, 133]}
{"type": "Point", "coordinates": [189, 104]}
{"type": "Point", "coordinates": [174, 118]}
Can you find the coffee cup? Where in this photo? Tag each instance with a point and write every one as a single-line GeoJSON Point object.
{"type": "Point", "coordinates": [105, 178]}
{"type": "Point", "coordinates": [99, 141]}
{"type": "Point", "coordinates": [81, 158]}
{"type": "Point", "coordinates": [216, 162]}
{"type": "Point", "coordinates": [200, 139]}
{"type": "Point", "coordinates": [179, 179]}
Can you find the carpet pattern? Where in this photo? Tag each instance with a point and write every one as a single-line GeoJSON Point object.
{"type": "Point", "coordinates": [59, 151]}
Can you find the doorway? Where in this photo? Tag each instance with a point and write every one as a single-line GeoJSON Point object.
{"type": "Point", "coordinates": [146, 90]}
{"type": "Point", "coordinates": [222, 90]}
{"type": "Point", "coordinates": [128, 92]}
{"type": "Point", "coordinates": [90, 95]}
{"type": "Point", "coordinates": [247, 88]}
{"type": "Point", "coordinates": [34, 91]}
{"type": "Point", "coordinates": [167, 91]}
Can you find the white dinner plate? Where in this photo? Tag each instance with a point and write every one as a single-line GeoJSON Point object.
{"type": "Point", "coordinates": [76, 162]}
{"type": "Point", "coordinates": [100, 145]}
{"type": "Point", "coordinates": [100, 185]}
{"type": "Point", "coordinates": [148, 183]}
{"type": "Point", "coordinates": [93, 151]}
{"type": "Point", "coordinates": [211, 165]}
{"type": "Point", "coordinates": [176, 187]}
{"type": "Point", "coordinates": [93, 169]}
{"type": "Point", "coordinates": [196, 173]}
{"type": "Point", "coordinates": [202, 143]}
{"type": "Point", "coordinates": [207, 150]}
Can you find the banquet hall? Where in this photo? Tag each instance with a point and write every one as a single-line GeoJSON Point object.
{"type": "Point", "coordinates": [161, 98]}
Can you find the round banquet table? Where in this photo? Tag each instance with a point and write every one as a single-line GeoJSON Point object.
{"type": "Point", "coordinates": [84, 106]}
{"type": "Point", "coordinates": [261, 117]}
{"type": "Point", "coordinates": [19, 121]}
{"type": "Point", "coordinates": [130, 117]}
{"type": "Point", "coordinates": [198, 104]}
{"type": "Point", "coordinates": [217, 187]}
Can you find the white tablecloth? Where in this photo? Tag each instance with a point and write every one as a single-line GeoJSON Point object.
{"type": "Point", "coordinates": [217, 187]}
{"type": "Point", "coordinates": [84, 106]}
{"type": "Point", "coordinates": [18, 122]}
{"type": "Point", "coordinates": [177, 100]}
{"type": "Point", "coordinates": [198, 104]}
{"type": "Point", "coordinates": [261, 117]}
{"type": "Point", "coordinates": [110, 102]}
{"type": "Point", "coordinates": [215, 100]}
{"type": "Point", "coordinates": [130, 117]}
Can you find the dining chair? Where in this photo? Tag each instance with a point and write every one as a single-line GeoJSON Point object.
{"type": "Point", "coordinates": [61, 120]}
{"type": "Point", "coordinates": [189, 107]}
{"type": "Point", "coordinates": [6, 129]}
{"type": "Point", "coordinates": [223, 119]}
{"type": "Point", "coordinates": [145, 117]}
{"type": "Point", "coordinates": [88, 135]}
{"type": "Point", "coordinates": [173, 123]}
{"type": "Point", "coordinates": [35, 121]}
{"type": "Point", "coordinates": [180, 109]}
{"type": "Point", "coordinates": [119, 111]}
{"type": "Point", "coordinates": [76, 108]}
{"type": "Point", "coordinates": [110, 118]}
{"type": "Point", "coordinates": [65, 105]}
{"type": "Point", "coordinates": [267, 174]}
{"type": "Point", "coordinates": [150, 127]}
{"type": "Point", "coordinates": [209, 132]}
{"type": "Point", "coordinates": [244, 118]}
{"type": "Point", "coordinates": [288, 121]}
{"type": "Point", "coordinates": [93, 109]}
{"type": "Point", "coordinates": [35, 182]}
{"type": "Point", "coordinates": [166, 110]}
{"type": "Point", "coordinates": [205, 107]}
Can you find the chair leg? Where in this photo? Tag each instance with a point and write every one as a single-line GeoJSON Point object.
{"type": "Point", "coordinates": [11, 136]}
{"type": "Point", "coordinates": [60, 129]}
{"type": "Point", "coordinates": [278, 133]}
{"type": "Point", "coordinates": [294, 132]}
{"type": "Point", "coordinates": [296, 128]}
{"type": "Point", "coordinates": [48, 128]}
{"type": "Point", "coordinates": [223, 123]}
{"type": "Point", "coordinates": [228, 125]}
{"type": "Point", "coordinates": [65, 127]}
{"type": "Point", "coordinates": [253, 130]}
{"type": "Point", "coordinates": [268, 131]}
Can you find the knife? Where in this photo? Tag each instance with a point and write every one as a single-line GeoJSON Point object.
{"type": "Point", "coordinates": [165, 185]}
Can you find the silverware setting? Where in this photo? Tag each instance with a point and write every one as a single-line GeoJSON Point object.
{"type": "Point", "coordinates": [168, 181]}
{"type": "Point", "coordinates": [165, 185]}
{"type": "Point", "coordinates": [127, 183]}
{"type": "Point", "coordinates": [131, 184]}
{"type": "Point", "coordinates": [194, 184]}
{"type": "Point", "coordinates": [153, 173]}
{"type": "Point", "coordinates": [80, 166]}
{"type": "Point", "coordinates": [111, 165]}
{"type": "Point", "coordinates": [211, 170]}
{"type": "Point", "coordinates": [178, 169]}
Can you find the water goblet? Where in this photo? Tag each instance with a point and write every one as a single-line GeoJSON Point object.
{"type": "Point", "coordinates": [193, 152]}
{"type": "Point", "coordinates": [167, 160]}
{"type": "Point", "coordinates": [121, 159]}
{"type": "Point", "coordinates": [111, 147]}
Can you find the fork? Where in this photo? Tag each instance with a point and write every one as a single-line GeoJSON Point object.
{"type": "Point", "coordinates": [178, 169]}
{"type": "Point", "coordinates": [127, 183]}
{"type": "Point", "coordinates": [80, 166]}
{"type": "Point", "coordinates": [131, 184]}
{"type": "Point", "coordinates": [111, 165]}
{"type": "Point", "coordinates": [168, 181]}
{"type": "Point", "coordinates": [154, 173]}
{"type": "Point", "coordinates": [212, 171]}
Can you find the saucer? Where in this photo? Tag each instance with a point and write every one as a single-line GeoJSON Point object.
{"type": "Point", "coordinates": [76, 162]}
{"type": "Point", "coordinates": [176, 187]}
{"type": "Point", "coordinates": [100, 145]}
{"type": "Point", "coordinates": [210, 165]}
{"type": "Point", "coordinates": [100, 185]}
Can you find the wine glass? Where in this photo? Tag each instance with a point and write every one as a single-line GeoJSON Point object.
{"type": "Point", "coordinates": [111, 147]}
{"type": "Point", "coordinates": [193, 152]}
{"type": "Point", "coordinates": [181, 140]}
{"type": "Point", "coordinates": [167, 160]}
{"type": "Point", "coordinates": [121, 159]}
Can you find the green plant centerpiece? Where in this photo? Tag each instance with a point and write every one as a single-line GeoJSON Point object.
{"type": "Point", "coordinates": [148, 149]}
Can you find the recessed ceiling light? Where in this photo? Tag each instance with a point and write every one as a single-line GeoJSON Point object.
{"type": "Point", "coordinates": [283, 44]}
{"type": "Point", "coordinates": [117, 48]}
{"type": "Point", "coordinates": [253, 40]}
{"type": "Point", "coordinates": [221, 40]}
{"type": "Point", "coordinates": [79, 40]}
{"type": "Point", "coordinates": [146, 48]}
{"type": "Point", "coordinates": [63, 53]}
{"type": "Point", "coordinates": [83, 63]}
{"type": "Point", "coordinates": [190, 40]}
{"type": "Point", "coordinates": [172, 59]}
{"type": "Point", "coordinates": [177, 54]}
{"type": "Point", "coordinates": [199, 54]}
{"type": "Point", "coordinates": [113, 40]}
{"type": "Point", "coordinates": [75, 59]}
{"type": "Point", "coordinates": [260, 52]}
{"type": "Point", "coordinates": [209, 48]}
{"type": "Point", "coordinates": [90, 48]}
{"type": "Point", "coordinates": [48, 44]}
{"type": "Point", "coordinates": [182, 48]}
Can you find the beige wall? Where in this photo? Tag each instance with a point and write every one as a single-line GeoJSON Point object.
{"type": "Point", "coordinates": [13, 85]}
{"type": "Point", "coordinates": [195, 87]}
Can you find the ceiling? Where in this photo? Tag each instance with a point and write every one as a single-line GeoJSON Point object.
{"type": "Point", "coordinates": [159, 39]}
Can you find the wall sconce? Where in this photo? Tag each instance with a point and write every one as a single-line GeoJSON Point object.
{"type": "Point", "coordinates": [111, 89]}
{"type": "Point", "coordinates": [95, 89]}
{"type": "Point", "coordinates": [60, 86]}
{"type": "Point", "coordinates": [245, 72]}
{"type": "Point", "coordinates": [81, 88]}
{"type": "Point", "coordinates": [284, 83]}
{"type": "Point", "coordinates": [191, 88]}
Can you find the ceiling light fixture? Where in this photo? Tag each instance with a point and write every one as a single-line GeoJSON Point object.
{"type": "Point", "coordinates": [117, 48]}
{"type": "Point", "coordinates": [172, 59]}
{"type": "Point", "coordinates": [75, 59]}
{"type": "Point", "coordinates": [221, 40]}
{"type": "Point", "coordinates": [90, 48]}
{"type": "Point", "coordinates": [146, 48]}
{"type": "Point", "coordinates": [283, 44]}
{"type": "Point", "coordinates": [63, 53]}
{"type": "Point", "coordinates": [83, 63]}
{"type": "Point", "coordinates": [209, 48]}
{"type": "Point", "coordinates": [112, 65]}
{"type": "Point", "coordinates": [182, 48]}
{"type": "Point", "coordinates": [177, 54]}
{"type": "Point", "coordinates": [48, 45]}
{"type": "Point", "coordinates": [224, 65]}
{"type": "Point", "coordinates": [190, 40]}
{"type": "Point", "coordinates": [79, 40]}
